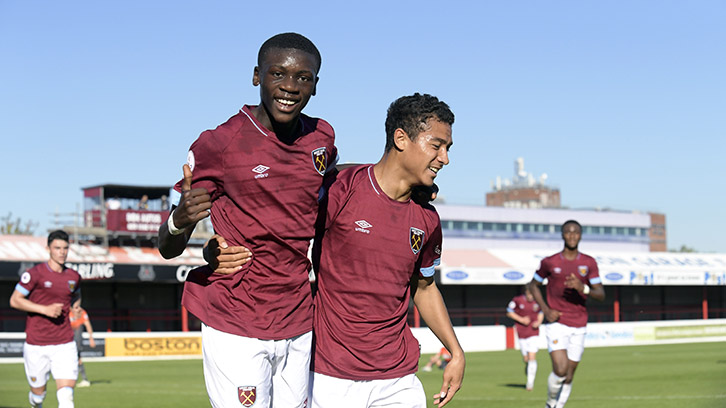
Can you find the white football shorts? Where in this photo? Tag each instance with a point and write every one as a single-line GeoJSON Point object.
{"type": "Point", "coordinates": [61, 360]}
{"type": "Point", "coordinates": [332, 392]}
{"type": "Point", "coordinates": [529, 345]}
{"type": "Point", "coordinates": [561, 337]}
{"type": "Point", "coordinates": [247, 372]}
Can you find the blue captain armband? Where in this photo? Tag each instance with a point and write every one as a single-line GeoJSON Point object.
{"type": "Point", "coordinates": [22, 290]}
{"type": "Point", "coordinates": [429, 271]}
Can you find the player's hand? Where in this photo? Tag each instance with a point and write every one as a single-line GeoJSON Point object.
{"type": "Point", "coordinates": [92, 342]}
{"type": "Point", "coordinates": [424, 194]}
{"type": "Point", "coordinates": [552, 315]}
{"type": "Point", "coordinates": [526, 321]}
{"type": "Point", "coordinates": [53, 310]}
{"type": "Point", "coordinates": [223, 258]}
{"type": "Point", "coordinates": [535, 325]}
{"type": "Point", "coordinates": [572, 282]}
{"type": "Point", "coordinates": [453, 377]}
{"type": "Point", "coordinates": [194, 204]}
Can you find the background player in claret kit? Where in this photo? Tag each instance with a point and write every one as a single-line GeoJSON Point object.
{"type": "Point", "coordinates": [46, 292]}
{"type": "Point", "coordinates": [79, 320]}
{"type": "Point", "coordinates": [259, 176]}
{"type": "Point", "coordinates": [374, 249]}
{"type": "Point", "coordinates": [528, 317]}
{"type": "Point", "coordinates": [571, 277]}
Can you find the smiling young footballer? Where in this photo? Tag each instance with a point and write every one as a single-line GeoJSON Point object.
{"type": "Point", "coordinates": [47, 292]}
{"type": "Point", "coordinates": [375, 248]}
{"type": "Point", "coordinates": [571, 277]}
{"type": "Point", "coordinates": [259, 176]}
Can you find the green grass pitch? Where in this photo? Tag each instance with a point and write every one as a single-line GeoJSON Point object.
{"type": "Point", "coordinates": [662, 376]}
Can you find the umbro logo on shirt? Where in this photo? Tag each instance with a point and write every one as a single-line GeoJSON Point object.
{"type": "Point", "coordinates": [363, 226]}
{"type": "Point", "coordinates": [261, 171]}
{"type": "Point", "coordinates": [47, 284]}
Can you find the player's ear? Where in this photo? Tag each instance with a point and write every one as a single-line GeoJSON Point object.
{"type": "Point", "coordinates": [400, 139]}
{"type": "Point", "coordinates": [315, 86]}
{"type": "Point", "coordinates": [256, 76]}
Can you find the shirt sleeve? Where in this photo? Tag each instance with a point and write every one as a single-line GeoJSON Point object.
{"type": "Point", "coordinates": [543, 272]}
{"type": "Point", "coordinates": [27, 283]}
{"type": "Point", "coordinates": [333, 159]}
{"type": "Point", "coordinates": [431, 252]}
{"type": "Point", "coordinates": [594, 274]}
{"type": "Point", "coordinates": [511, 307]}
{"type": "Point", "coordinates": [207, 165]}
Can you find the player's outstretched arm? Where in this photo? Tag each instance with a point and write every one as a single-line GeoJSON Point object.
{"type": "Point", "coordinates": [223, 258]}
{"type": "Point", "coordinates": [194, 206]}
{"type": "Point", "coordinates": [430, 304]}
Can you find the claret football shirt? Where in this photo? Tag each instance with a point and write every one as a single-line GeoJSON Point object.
{"type": "Point", "coordinates": [367, 249]}
{"type": "Point", "coordinates": [523, 307]}
{"type": "Point", "coordinates": [570, 302]}
{"type": "Point", "coordinates": [264, 197]}
{"type": "Point", "coordinates": [44, 286]}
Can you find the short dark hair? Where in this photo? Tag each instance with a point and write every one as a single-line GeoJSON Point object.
{"type": "Point", "coordinates": [571, 222]}
{"type": "Point", "coordinates": [57, 234]}
{"type": "Point", "coordinates": [293, 41]}
{"type": "Point", "coordinates": [412, 113]}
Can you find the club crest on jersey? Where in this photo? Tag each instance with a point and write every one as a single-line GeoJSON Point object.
{"type": "Point", "coordinates": [33, 379]}
{"type": "Point", "coordinates": [416, 238]}
{"type": "Point", "coordinates": [72, 285]}
{"type": "Point", "coordinates": [320, 160]}
{"type": "Point", "coordinates": [247, 395]}
{"type": "Point", "coordinates": [583, 270]}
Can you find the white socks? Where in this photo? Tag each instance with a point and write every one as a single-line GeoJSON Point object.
{"type": "Point", "coordinates": [65, 397]}
{"type": "Point", "coordinates": [554, 386]}
{"type": "Point", "coordinates": [36, 400]}
{"type": "Point", "coordinates": [531, 373]}
{"type": "Point", "coordinates": [564, 395]}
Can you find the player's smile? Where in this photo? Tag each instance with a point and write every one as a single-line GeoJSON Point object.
{"type": "Point", "coordinates": [287, 80]}
{"type": "Point", "coordinates": [432, 146]}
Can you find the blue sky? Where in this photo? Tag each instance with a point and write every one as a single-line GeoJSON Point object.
{"type": "Point", "coordinates": [622, 104]}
